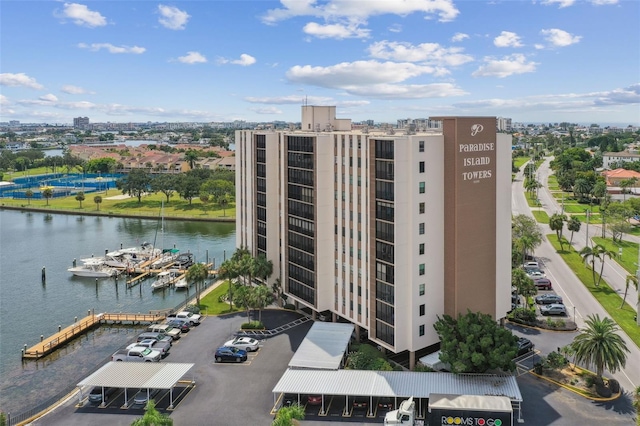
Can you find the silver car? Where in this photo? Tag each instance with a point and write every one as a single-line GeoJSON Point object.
{"type": "Point", "coordinates": [553, 309]}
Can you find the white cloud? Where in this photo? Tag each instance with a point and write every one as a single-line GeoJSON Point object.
{"type": "Point", "coordinates": [192, 58]}
{"type": "Point", "coordinates": [245, 60]}
{"type": "Point", "coordinates": [409, 91]}
{"type": "Point", "coordinates": [337, 31]}
{"type": "Point", "coordinates": [20, 79]}
{"type": "Point", "coordinates": [428, 53]}
{"type": "Point", "coordinates": [288, 100]}
{"type": "Point", "coordinates": [266, 110]}
{"type": "Point", "coordinates": [627, 95]}
{"type": "Point", "coordinates": [95, 47]}
{"type": "Point", "coordinates": [604, 2]}
{"type": "Point", "coordinates": [73, 90]}
{"type": "Point", "coordinates": [507, 39]}
{"type": "Point", "coordinates": [172, 18]}
{"type": "Point", "coordinates": [357, 9]}
{"type": "Point", "coordinates": [560, 38]}
{"type": "Point", "coordinates": [509, 65]}
{"type": "Point", "coordinates": [459, 37]}
{"type": "Point", "coordinates": [560, 3]}
{"type": "Point", "coordinates": [395, 28]}
{"type": "Point", "coordinates": [4, 100]}
{"type": "Point", "coordinates": [81, 15]}
{"type": "Point", "coordinates": [49, 98]}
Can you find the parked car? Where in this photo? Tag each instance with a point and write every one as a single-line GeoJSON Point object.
{"type": "Point", "coordinates": [142, 397]}
{"type": "Point", "coordinates": [531, 264]}
{"type": "Point", "coordinates": [535, 275]}
{"type": "Point", "coordinates": [182, 325]}
{"type": "Point", "coordinates": [225, 353]}
{"type": "Point", "coordinates": [154, 335]}
{"type": "Point", "coordinates": [547, 299]}
{"type": "Point", "coordinates": [360, 402]}
{"type": "Point", "coordinates": [524, 346]}
{"type": "Point", "coordinates": [553, 309]}
{"type": "Point", "coordinates": [542, 284]}
{"type": "Point", "coordinates": [247, 343]}
{"type": "Point", "coordinates": [174, 332]}
{"type": "Point", "coordinates": [385, 403]}
{"type": "Point", "coordinates": [314, 399]}
{"type": "Point", "coordinates": [291, 398]}
{"type": "Point", "coordinates": [95, 396]}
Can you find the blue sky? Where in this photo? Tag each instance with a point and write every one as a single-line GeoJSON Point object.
{"type": "Point", "coordinates": [138, 61]}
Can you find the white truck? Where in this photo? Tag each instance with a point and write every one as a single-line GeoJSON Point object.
{"type": "Point", "coordinates": [137, 354]}
{"type": "Point", "coordinates": [194, 319]}
{"type": "Point", "coordinates": [404, 415]}
{"type": "Point", "coordinates": [154, 344]}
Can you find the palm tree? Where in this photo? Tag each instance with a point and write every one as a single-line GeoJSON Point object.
{"type": "Point", "coordinates": [636, 403]}
{"type": "Point", "coordinates": [556, 223]}
{"type": "Point", "coordinates": [573, 225]}
{"type": "Point", "coordinates": [604, 253]}
{"type": "Point", "coordinates": [80, 197]}
{"type": "Point", "coordinates": [261, 297]}
{"type": "Point", "coordinates": [631, 279]}
{"type": "Point", "coordinates": [581, 187]}
{"type": "Point", "coordinates": [599, 190]}
{"type": "Point", "coordinates": [47, 193]}
{"type": "Point", "coordinates": [29, 194]}
{"type": "Point", "coordinates": [153, 417]}
{"type": "Point", "coordinates": [97, 199]}
{"type": "Point", "coordinates": [228, 271]}
{"type": "Point", "coordinates": [262, 267]}
{"type": "Point", "coordinates": [525, 234]}
{"type": "Point", "coordinates": [197, 273]}
{"type": "Point", "coordinates": [523, 284]}
{"type": "Point", "coordinates": [599, 344]}
{"type": "Point", "coordinates": [587, 253]}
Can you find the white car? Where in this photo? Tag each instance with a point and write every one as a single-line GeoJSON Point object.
{"type": "Point", "coordinates": [535, 275]}
{"type": "Point", "coordinates": [246, 343]}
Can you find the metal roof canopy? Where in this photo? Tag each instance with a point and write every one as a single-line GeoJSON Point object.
{"type": "Point", "coordinates": [323, 347]}
{"type": "Point", "coordinates": [395, 383]}
{"type": "Point", "coordinates": [144, 375]}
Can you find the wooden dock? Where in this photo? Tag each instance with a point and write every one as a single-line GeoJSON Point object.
{"type": "Point", "coordinates": [50, 344]}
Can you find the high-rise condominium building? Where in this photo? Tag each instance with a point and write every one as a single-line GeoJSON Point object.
{"type": "Point", "coordinates": [386, 229]}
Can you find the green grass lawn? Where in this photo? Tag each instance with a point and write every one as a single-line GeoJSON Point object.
{"type": "Point", "coordinates": [149, 205]}
{"type": "Point", "coordinates": [579, 208]}
{"type": "Point", "coordinates": [552, 183]}
{"type": "Point", "coordinates": [629, 257]}
{"type": "Point", "coordinates": [519, 161]}
{"type": "Point", "coordinates": [211, 303]}
{"type": "Point", "coordinates": [608, 298]}
{"type": "Point", "coordinates": [532, 200]}
{"type": "Point", "coordinates": [8, 176]}
{"type": "Point", "coordinates": [541, 216]}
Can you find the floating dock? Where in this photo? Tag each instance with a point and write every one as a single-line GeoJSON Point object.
{"type": "Point", "coordinates": [52, 343]}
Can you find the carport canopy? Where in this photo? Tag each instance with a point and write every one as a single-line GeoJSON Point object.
{"type": "Point", "coordinates": [143, 375]}
{"type": "Point", "coordinates": [395, 384]}
{"type": "Point", "coordinates": [324, 346]}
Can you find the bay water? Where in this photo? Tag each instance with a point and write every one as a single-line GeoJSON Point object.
{"type": "Point", "coordinates": [31, 242]}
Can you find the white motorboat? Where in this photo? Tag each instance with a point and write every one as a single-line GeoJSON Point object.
{"type": "Point", "coordinates": [181, 284]}
{"type": "Point", "coordinates": [167, 257]}
{"type": "Point", "coordinates": [95, 269]}
{"type": "Point", "coordinates": [164, 279]}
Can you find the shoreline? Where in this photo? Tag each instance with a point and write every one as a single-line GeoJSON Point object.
{"type": "Point", "coordinates": [110, 214]}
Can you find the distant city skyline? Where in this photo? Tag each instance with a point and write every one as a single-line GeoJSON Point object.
{"type": "Point", "coordinates": [546, 61]}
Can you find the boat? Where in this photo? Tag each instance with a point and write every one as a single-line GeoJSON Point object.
{"type": "Point", "coordinates": [93, 269]}
{"type": "Point", "coordinates": [167, 257]}
{"type": "Point", "coordinates": [163, 280]}
{"type": "Point", "coordinates": [181, 283]}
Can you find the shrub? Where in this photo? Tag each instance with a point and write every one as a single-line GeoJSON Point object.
{"type": "Point", "coordinates": [290, 307]}
{"type": "Point", "coordinates": [192, 308]}
{"type": "Point", "coordinates": [555, 361]}
{"type": "Point", "coordinates": [614, 385]}
{"type": "Point", "coordinates": [524, 315]}
{"type": "Point", "coordinates": [253, 325]}
{"type": "Point", "coordinates": [589, 380]}
{"type": "Point", "coordinates": [423, 368]}
{"type": "Point", "coordinates": [602, 390]}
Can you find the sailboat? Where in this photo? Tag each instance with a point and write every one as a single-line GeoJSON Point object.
{"type": "Point", "coordinates": [168, 256]}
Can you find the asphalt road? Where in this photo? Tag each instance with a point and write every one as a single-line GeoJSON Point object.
{"type": "Point", "coordinates": [565, 282]}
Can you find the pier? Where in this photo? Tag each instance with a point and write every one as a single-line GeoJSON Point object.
{"type": "Point", "coordinates": [64, 335]}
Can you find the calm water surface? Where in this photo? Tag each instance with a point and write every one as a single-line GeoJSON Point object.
{"type": "Point", "coordinates": [30, 308]}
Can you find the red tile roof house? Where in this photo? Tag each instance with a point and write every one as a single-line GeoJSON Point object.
{"type": "Point", "coordinates": [614, 177]}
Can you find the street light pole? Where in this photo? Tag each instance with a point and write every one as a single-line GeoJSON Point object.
{"type": "Point", "coordinates": [574, 315]}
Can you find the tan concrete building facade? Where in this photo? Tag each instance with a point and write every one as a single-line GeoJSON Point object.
{"type": "Point", "coordinates": [386, 229]}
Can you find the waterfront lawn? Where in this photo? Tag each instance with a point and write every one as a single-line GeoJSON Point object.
{"type": "Point", "coordinates": [606, 296]}
{"type": "Point", "coordinates": [149, 205]}
{"type": "Point", "coordinates": [212, 303]}
{"type": "Point", "coordinates": [629, 252]}
{"type": "Point", "coordinates": [541, 216]}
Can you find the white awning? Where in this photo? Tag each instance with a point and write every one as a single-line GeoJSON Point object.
{"type": "Point", "coordinates": [324, 346]}
{"type": "Point", "coordinates": [144, 375]}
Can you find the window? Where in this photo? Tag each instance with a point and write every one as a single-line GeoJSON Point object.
{"type": "Point", "coordinates": [421, 208]}
{"type": "Point", "coordinates": [421, 330]}
{"type": "Point", "coordinates": [421, 289]}
{"type": "Point", "coordinates": [422, 310]}
{"type": "Point", "coordinates": [421, 228]}
{"type": "Point", "coordinates": [421, 187]}
{"type": "Point", "coordinates": [421, 166]}
{"type": "Point", "coordinates": [421, 146]}
{"type": "Point", "coordinates": [421, 269]}
{"type": "Point", "coordinates": [421, 248]}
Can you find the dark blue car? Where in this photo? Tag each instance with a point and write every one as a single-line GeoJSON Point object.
{"type": "Point", "coordinates": [226, 353]}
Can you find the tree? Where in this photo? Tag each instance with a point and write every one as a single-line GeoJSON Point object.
{"type": "Point", "coordinates": [525, 234]}
{"type": "Point", "coordinates": [135, 184]}
{"type": "Point", "coordinates": [262, 268]}
{"type": "Point", "coordinates": [228, 271]}
{"type": "Point", "coordinates": [631, 279]}
{"type": "Point", "coordinates": [556, 223]}
{"type": "Point", "coordinates": [47, 193]}
{"type": "Point", "coordinates": [29, 194]}
{"type": "Point", "coordinates": [191, 156]}
{"type": "Point", "coordinates": [97, 199]}
{"type": "Point", "coordinates": [599, 190]}
{"type": "Point", "coordinates": [165, 183]}
{"type": "Point", "coordinates": [599, 344]}
{"type": "Point", "coordinates": [523, 284]}
{"type": "Point", "coordinates": [220, 189]}
{"type": "Point", "coordinates": [152, 417]}
{"type": "Point", "coordinates": [581, 188]}
{"type": "Point", "coordinates": [188, 186]}
{"type": "Point", "coordinates": [261, 297]}
{"type": "Point", "coordinates": [475, 343]}
{"type": "Point", "coordinates": [573, 225]}
{"type": "Point", "coordinates": [625, 184]}
{"type": "Point", "coordinates": [289, 416]}
{"type": "Point", "coordinates": [80, 197]}
{"type": "Point", "coordinates": [604, 253]}
{"type": "Point", "coordinates": [242, 297]}
{"type": "Point", "coordinates": [590, 253]}
{"type": "Point", "coordinates": [197, 273]}
{"type": "Point", "coordinates": [636, 403]}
